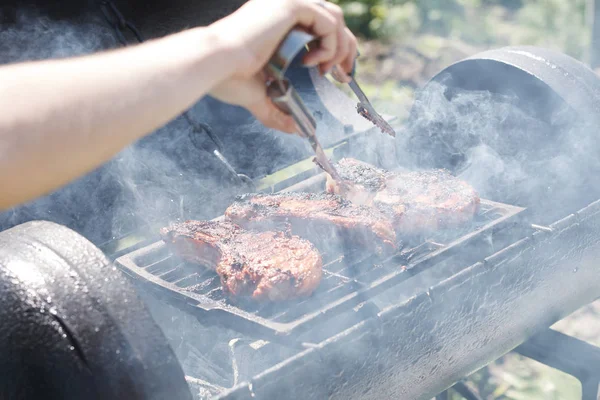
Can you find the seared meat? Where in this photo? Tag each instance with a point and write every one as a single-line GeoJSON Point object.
{"type": "Point", "coordinates": [330, 218]}
{"type": "Point", "coordinates": [365, 178]}
{"type": "Point", "coordinates": [262, 265]}
{"type": "Point", "coordinates": [416, 201]}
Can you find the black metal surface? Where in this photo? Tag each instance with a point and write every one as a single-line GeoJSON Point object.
{"type": "Point", "coordinates": [422, 346]}
{"type": "Point", "coordinates": [72, 326]}
{"type": "Point", "coordinates": [567, 354]}
{"type": "Point", "coordinates": [213, 146]}
{"type": "Point", "coordinates": [462, 389]}
{"type": "Point", "coordinates": [349, 279]}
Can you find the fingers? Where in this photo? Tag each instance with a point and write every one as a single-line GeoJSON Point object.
{"type": "Point", "coordinates": [270, 116]}
{"type": "Point", "coordinates": [343, 40]}
{"type": "Point", "coordinates": [340, 53]}
{"type": "Point", "coordinates": [326, 22]}
{"type": "Point", "coordinates": [252, 95]}
{"type": "Point", "coordinates": [342, 72]}
{"type": "Point", "coordinates": [338, 45]}
{"type": "Point", "coordinates": [347, 63]}
{"type": "Point", "coordinates": [322, 24]}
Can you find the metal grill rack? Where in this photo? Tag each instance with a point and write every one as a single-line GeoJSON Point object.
{"type": "Point", "coordinates": [348, 279]}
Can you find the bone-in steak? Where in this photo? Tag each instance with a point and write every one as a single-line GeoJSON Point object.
{"type": "Point", "coordinates": [262, 265]}
{"type": "Point", "coordinates": [324, 218]}
{"type": "Point", "coordinates": [416, 201]}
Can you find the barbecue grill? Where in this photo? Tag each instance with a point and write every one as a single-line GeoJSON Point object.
{"type": "Point", "coordinates": [412, 325]}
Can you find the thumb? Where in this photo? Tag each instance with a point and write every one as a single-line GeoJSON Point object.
{"type": "Point", "coordinates": [272, 117]}
{"type": "Point", "coordinates": [252, 95]}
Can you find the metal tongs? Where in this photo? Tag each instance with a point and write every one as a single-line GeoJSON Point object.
{"type": "Point", "coordinates": [364, 106]}
{"type": "Point", "coordinates": [285, 97]}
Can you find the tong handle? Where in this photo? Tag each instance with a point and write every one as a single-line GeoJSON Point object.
{"type": "Point", "coordinates": [288, 50]}
{"type": "Point", "coordinates": [285, 97]}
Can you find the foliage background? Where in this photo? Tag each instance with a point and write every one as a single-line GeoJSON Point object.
{"type": "Point", "coordinates": [558, 23]}
{"type": "Point", "coordinates": [403, 43]}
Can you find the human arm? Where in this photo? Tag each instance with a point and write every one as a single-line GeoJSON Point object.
{"type": "Point", "coordinates": [62, 118]}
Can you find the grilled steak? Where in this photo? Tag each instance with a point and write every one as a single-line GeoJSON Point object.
{"type": "Point", "coordinates": [261, 265]}
{"type": "Point", "coordinates": [330, 218]}
{"type": "Point", "coordinates": [417, 201]}
{"type": "Point", "coordinates": [365, 178]}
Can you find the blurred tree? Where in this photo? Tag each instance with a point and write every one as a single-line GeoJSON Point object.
{"type": "Point", "coordinates": [441, 16]}
{"type": "Point", "coordinates": [381, 19]}
{"type": "Point", "coordinates": [552, 23]}
{"type": "Point", "coordinates": [359, 15]}
{"type": "Point", "coordinates": [560, 24]}
{"type": "Point", "coordinates": [509, 4]}
{"type": "Point", "coordinates": [384, 18]}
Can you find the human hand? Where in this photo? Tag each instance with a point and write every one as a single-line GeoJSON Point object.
{"type": "Point", "coordinates": [254, 32]}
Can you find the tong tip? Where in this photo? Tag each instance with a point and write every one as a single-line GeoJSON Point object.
{"type": "Point", "coordinates": [376, 119]}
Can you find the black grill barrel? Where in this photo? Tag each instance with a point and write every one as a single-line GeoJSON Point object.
{"type": "Point", "coordinates": [72, 327]}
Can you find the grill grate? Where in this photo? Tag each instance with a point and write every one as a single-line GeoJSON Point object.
{"type": "Point", "coordinates": [348, 279]}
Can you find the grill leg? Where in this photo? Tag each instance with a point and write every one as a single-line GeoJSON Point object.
{"type": "Point", "coordinates": [569, 355]}
{"type": "Point", "coordinates": [589, 389]}
{"type": "Point", "coordinates": [465, 391]}
{"type": "Point", "coordinates": [461, 389]}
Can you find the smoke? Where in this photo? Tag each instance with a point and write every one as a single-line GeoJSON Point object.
{"type": "Point", "coordinates": [537, 154]}
{"type": "Point", "coordinates": [26, 35]}
{"type": "Point", "coordinates": [161, 178]}
{"type": "Point", "coordinates": [30, 35]}
{"type": "Point", "coordinates": [216, 357]}
{"type": "Point", "coordinates": [510, 147]}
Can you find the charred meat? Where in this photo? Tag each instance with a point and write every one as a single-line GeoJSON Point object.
{"type": "Point", "coordinates": [327, 218]}
{"type": "Point", "coordinates": [365, 177]}
{"type": "Point", "coordinates": [261, 265]}
{"type": "Point", "coordinates": [416, 201]}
